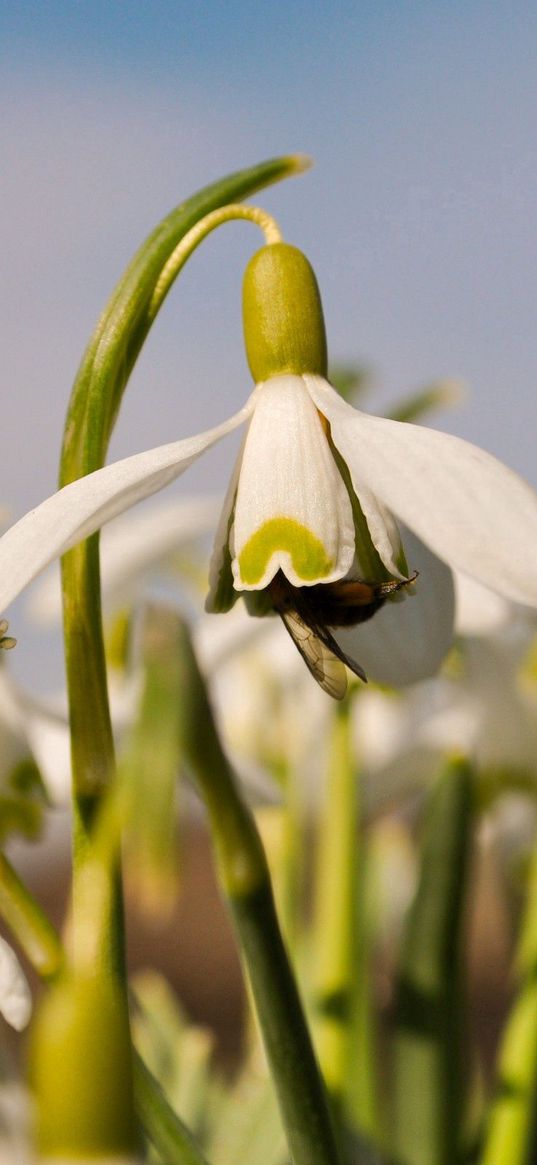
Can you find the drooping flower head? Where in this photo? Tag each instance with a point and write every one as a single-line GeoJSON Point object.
{"type": "Point", "coordinates": [318, 500]}
{"type": "Point", "coordinates": [291, 505]}
{"type": "Point", "coordinates": [295, 533]}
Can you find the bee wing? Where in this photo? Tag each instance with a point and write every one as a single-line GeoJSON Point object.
{"type": "Point", "coordinates": [332, 645]}
{"type": "Point", "coordinates": [316, 651]}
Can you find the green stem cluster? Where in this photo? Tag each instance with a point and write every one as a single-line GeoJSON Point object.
{"type": "Point", "coordinates": [342, 988]}
{"type": "Point", "coordinates": [429, 1057]}
{"type": "Point", "coordinates": [246, 884]}
{"type": "Point", "coordinates": [512, 1125]}
{"type": "Point", "coordinates": [93, 409]}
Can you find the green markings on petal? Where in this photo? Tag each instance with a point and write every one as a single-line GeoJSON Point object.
{"type": "Point", "coordinates": [307, 553]}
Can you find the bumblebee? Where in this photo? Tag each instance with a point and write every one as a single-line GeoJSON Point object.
{"type": "Point", "coordinates": [309, 612]}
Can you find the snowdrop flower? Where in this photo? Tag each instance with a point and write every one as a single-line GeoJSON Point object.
{"type": "Point", "coordinates": [317, 493]}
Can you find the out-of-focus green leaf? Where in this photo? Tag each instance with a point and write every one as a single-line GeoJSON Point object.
{"type": "Point", "coordinates": [164, 1128]}
{"type": "Point", "coordinates": [150, 768]}
{"type": "Point", "coordinates": [23, 800]}
{"type": "Point", "coordinates": [249, 1127]}
{"type": "Point", "coordinates": [350, 380]}
{"type": "Point", "coordinates": [233, 1121]}
{"type": "Point", "coordinates": [343, 1023]}
{"type": "Point", "coordinates": [441, 394]}
{"type": "Point", "coordinates": [177, 1052]}
{"type": "Point", "coordinates": [429, 1061]}
{"type": "Point", "coordinates": [245, 881]}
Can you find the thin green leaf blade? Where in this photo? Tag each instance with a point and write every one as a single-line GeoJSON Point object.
{"type": "Point", "coordinates": [428, 1063]}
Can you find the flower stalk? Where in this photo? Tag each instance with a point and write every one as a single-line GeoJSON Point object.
{"type": "Point", "coordinates": [428, 1063]}
{"type": "Point", "coordinates": [341, 988]}
{"type": "Point", "coordinates": [65, 1122]}
{"type": "Point", "coordinates": [245, 881]}
{"type": "Point", "coordinates": [512, 1126]}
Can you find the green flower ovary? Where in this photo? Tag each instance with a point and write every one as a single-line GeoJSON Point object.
{"type": "Point", "coordinates": [307, 553]}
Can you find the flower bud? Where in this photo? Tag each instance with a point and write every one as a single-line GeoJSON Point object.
{"type": "Point", "coordinates": [283, 317]}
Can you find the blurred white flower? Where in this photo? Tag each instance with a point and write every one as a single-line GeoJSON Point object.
{"type": "Point", "coordinates": [271, 716]}
{"type": "Point", "coordinates": [15, 996]}
{"type": "Point", "coordinates": [158, 541]}
{"type": "Point", "coordinates": [482, 706]}
{"type": "Point", "coordinates": [480, 610]}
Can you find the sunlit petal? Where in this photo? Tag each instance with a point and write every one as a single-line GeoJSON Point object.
{"type": "Point", "coordinates": [479, 610]}
{"type": "Point", "coordinates": [380, 523]}
{"type": "Point", "coordinates": [85, 505]}
{"type": "Point", "coordinates": [407, 640]}
{"type": "Point", "coordinates": [472, 511]}
{"type": "Point", "coordinates": [292, 509]}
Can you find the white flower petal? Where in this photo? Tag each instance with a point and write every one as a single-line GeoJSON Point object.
{"type": "Point", "coordinates": [15, 997]}
{"type": "Point", "coordinates": [82, 507]}
{"type": "Point", "coordinates": [219, 638]}
{"type": "Point", "coordinates": [480, 611]}
{"type": "Point", "coordinates": [47, 728]}
{"type": "Point", "coordinates": [131, 548]}
{"type": "Point", "coordinates": [292, 510]}
{"type": "Point", "coordinates": [220, 563]}
{"type": "Point", "coordinates": [472, 511]}
{"type": "Point", "coordinates": [383, 530]}
{"type": "Point", "coordinates": [380, 523]}
{"type": "Point", "coordinates": [406, 641]}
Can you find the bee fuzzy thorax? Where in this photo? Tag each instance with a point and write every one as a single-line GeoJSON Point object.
{"type": "Point", "coordinates": [309, 612]}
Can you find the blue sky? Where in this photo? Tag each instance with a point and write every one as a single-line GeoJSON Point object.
{"type": "Point", "coordinates": [419, 214]}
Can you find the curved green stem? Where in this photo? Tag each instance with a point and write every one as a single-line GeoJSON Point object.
{"type": "Point", "coordinates": [123, 327]}
{"type": "Point", "coordinates": [93, 408]}
{"type": "Point", "coordinates": [198, 233]}
{"type": "Point", "coordinates": [94, 405]}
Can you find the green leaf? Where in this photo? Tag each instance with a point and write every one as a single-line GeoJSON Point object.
{"type": "Point", "coordinates": [342, 994]}
{"type": "Point", "coordinates": [440, 394]}
{"type": "Point", "coordinates": [249, 1127]}
{"type": "Point", "coordinates": [162, 1125]}
{"type": "Point", "coordinates": [511, 1126]}
{"type": "Point", "coordinates": [350, 380]}
{"type": "Point", "coordinates": [150, 768]}
{"type": "Point", "coordinates": [245, 880]}
{"type": "Point", "coordinates": [429, 1070]}
{"type": "Point", "coordinates": [177, 1052]}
